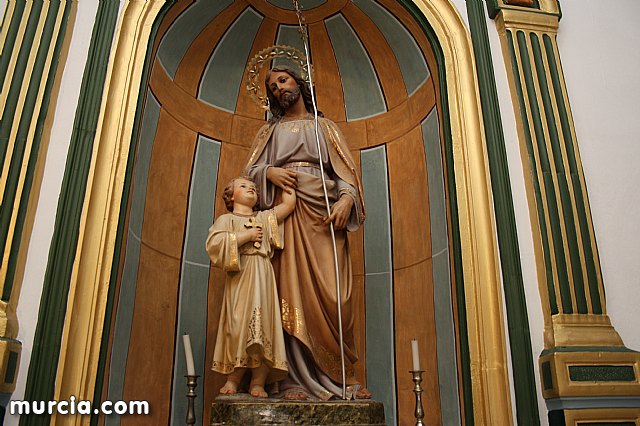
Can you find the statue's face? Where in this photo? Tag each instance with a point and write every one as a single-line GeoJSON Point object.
{"type": "Point", "coordinates": [284, 88]}
{"type": "Point", "coordinates": [244, 192]}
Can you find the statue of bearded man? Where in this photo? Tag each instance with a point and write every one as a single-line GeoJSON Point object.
{"type": "Point", "coordinates": [284, 157]}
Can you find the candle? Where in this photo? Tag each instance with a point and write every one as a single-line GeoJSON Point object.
{"type": "Point", "coordinates": [415, 355]}
{"type": "Point", "coordinates": [188, 355]}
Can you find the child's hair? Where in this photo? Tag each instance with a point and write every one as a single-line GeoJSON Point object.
{"type": "Point", "coordinates": [227, 194]}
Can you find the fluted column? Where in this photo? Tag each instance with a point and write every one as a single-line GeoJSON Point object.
{"type": "Point", "coordinates": [584, 357]}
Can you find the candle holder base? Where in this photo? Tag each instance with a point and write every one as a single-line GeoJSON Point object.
{"type": "Point", "coordinates": [192, 382]}
{"type": "Point", "coordinates": [417, 389]}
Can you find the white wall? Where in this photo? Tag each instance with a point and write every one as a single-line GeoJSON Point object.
{"type": "Point", "coordinates": [598, 44]}
{"type": "Point", "coordinates": [38, 254]}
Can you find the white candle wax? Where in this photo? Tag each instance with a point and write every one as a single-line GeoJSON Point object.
{"type": "Point", "coordinates": [415, 355]}
{"type": "Point", "coordinates": [188, 355]}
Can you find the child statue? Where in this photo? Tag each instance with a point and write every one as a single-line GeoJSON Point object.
{"type": "Point", "coordinates": [250, 334]}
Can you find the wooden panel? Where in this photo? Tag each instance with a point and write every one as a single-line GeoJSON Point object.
{"type": "Point", "coordinates": [206, 119]}
{"type": "Point", "coordinates": [327, 76]}
{"type": "Point", "coordinates": [409, 195]}
{"type": "Point", "coordinates": [168, 186]}
{"type": "Point", "coordinates": [232, 159]}
{"type": "Point", "coordinates": [383, 58]}
{"type": "Point", "coordinates": [193, 63]}
{"type": "Point", "coordinates": [402, 119]}
{"type": "Point", "coordinates": [356, 134]}
{"type": "Point", "coordinates": [264, 38]}
{"type": "Point", "coordinates": [422, 102]}
{"type": "Point", "coordinates": [151, 351]}
{"type": "Point", "coordinates": [414, 310]}
{"type": "Point", "coordinates": [244, 130]}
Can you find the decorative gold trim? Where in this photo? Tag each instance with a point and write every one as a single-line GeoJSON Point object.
{"type": "Point", "coordinates": [6, 20]}
{"type": "Point", "coordinates": [90, 278]}
{"type": "Point", "coordinates": [584, 330]}
{"type": "Point", "coordinates": [563, 386]}
{"type": "Point", "coordinates": [601, 415]}
{"type": "Point", "coordinates": [254, 86]}
{"type": "Point", "coordinates": [87, 297]}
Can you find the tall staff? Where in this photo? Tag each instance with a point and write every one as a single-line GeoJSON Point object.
{"type": "Point", "coordinates": [305, 40]}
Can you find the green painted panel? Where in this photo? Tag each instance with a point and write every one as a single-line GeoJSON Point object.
{"type": "Point", "coordinates": [410, 58]}
{"type": "Point", "coordinates": [185, 29]}
{"type": "Point", "coordinates": [362, 94]}
{"type": "Point", "coordinates": [194, 274]}
{"type": "Point", "coordinates": [443, 303]}
{"type": "Point", "coordinates": [222, 77]}
{"type": "Point", "coordinates": [547, 377]}
{"type": "Point", "coordinates": [379, 280]}
{"type": "Point", "coordinates": [602, 373]}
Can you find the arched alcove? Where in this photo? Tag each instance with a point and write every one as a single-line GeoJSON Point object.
{"type": "Point", "coordinates": [190, 139]}
{"type": "Point", "coordinates": [373, 66]}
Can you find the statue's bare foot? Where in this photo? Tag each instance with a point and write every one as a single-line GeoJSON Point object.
{"type": "Point", "coordinates": [363, 393]}
{"type": "Point", "coordinates": [258, 391]}
{"type": "Point", "coordinates": [229, 388]}
{"type": "Point", "coordinates": [295, 395]}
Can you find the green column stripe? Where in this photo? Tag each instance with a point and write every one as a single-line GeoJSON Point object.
{"type": "Point", "coordinates": [534, 178]}
{"type": "Point", "coordinates": [552, 204]}
{"type": "Point", "coordinates": [46, 346]}
{"type": "Point", "coordinates": [26, 121]}
{"type": "Point", "coordinates": [465, 360]}
{"type": "Point", "coordinates": [515, 300]}
{"type": "Point", "coordinates": [7, 50]}
{"type": "Point", "coordinates": [565, 199]}
{"type": "Point", "coordinates": [583, 220]}
{"type": "Point", "coordinates": [13, 93]}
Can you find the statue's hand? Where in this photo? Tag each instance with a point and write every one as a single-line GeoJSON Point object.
{"type": "Point", "coordinates": [282, 178]}
{"type": "Point", "coordinates": [340, 213]}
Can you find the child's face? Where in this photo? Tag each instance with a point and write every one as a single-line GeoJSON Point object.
{"type": "Point", "coordinates": [245, 193]}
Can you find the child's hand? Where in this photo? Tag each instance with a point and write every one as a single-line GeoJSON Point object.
{"type": "Point", "coordinates": [255, 234]}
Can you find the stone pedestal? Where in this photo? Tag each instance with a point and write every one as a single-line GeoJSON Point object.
{"type": "Point", "coordinates": [244, 410]}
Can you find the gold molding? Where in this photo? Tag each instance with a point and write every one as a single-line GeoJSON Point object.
{"type": "Point", "coordinates": [601, 415]}
{"type": "Point", "coordinates": [78, 362]}
{"type": "Point", "coordinates": [6, 347]}
{"type": "Point", "coordinates": [487, 344]}
{"type": "Point", "coordinates": [526, 20]}
{"type": "Point", "coordinates": [563, 386]}
{"type": "Point", "coordinates": [584, 330]}
{"type": "Point", "coordinates": [92, 267]}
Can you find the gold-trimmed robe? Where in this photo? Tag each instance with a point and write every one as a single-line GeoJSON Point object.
{"type": "Point", "coordinates": [305, 268]}
{"type": "Point", "coordinates": [250, 327]}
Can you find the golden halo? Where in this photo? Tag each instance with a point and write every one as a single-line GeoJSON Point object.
{"type": "Point", "coordinates": [257, 62]}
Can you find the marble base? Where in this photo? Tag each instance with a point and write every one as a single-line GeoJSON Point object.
{"type": "Point", "coordinates": [245, 410]}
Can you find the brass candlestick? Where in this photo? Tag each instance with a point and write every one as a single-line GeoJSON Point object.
{"type": "Point", "coordinates": [192, 382]}
{"type": "Point", "coordinates": [417, 389]}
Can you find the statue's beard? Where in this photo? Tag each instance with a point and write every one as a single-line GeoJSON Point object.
{"type": "Point", "coordinates": [289, 98]}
